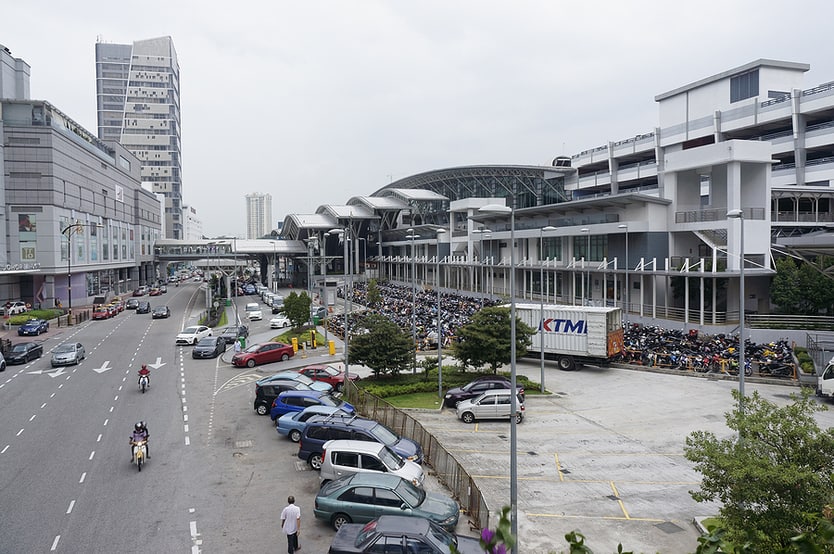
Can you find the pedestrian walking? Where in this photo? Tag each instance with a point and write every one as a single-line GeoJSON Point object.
{"type": "Point", "coordinates": [291, 524]}
{"type": "Point", "coordinates": [237, 346]}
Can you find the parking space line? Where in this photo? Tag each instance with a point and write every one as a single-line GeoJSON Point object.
{"type": "Point", "coordinates": [619, 500]}
{"type": "Point", "coordinates": [558, 467]}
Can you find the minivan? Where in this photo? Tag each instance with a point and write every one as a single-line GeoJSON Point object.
{"type": "Point", "coordinates": [346, 457]}
{"type": "Point", "coordinates": [320, 429]}
{"type": "Point", "coordinates": [492, 404]}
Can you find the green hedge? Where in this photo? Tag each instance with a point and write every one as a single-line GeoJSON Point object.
{"type": "Point", "coordinates": [20, 319]}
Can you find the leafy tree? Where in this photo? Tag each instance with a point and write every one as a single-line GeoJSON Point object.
{"type": "Point", "coordinates": [373, 297]}
{"type": "Point", "coordinates": [801, 289]}
{"type": "Point", "coordinates": [297, 308]}
{"type": "Point", "coordinates": [384, 348]}
{"type": "Point", "coordinates": [773, 477]}
{"type": "Point", "coordinates": [784, 291]}
{"type": "Point", "coordinates": [485, 340]}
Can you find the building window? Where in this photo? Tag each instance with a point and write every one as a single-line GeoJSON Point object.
{"type": "Point", "coordinates": [744, 86]}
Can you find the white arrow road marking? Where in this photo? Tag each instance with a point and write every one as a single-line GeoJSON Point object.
{"type": "Point", "coordinates": [104, 367]}
{"type": "Point", "coordinates": [159, 363]}
{"type": "Point", "coordinates": [57, 372]}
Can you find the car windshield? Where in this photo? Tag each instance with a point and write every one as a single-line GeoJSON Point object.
{"type": "Point", "coordinates": [384, 435]}
{"type": "Point", "coordinates": [64, 348]}
{"type": "Point", "coordinates": [190, 330]}
{"type": "Point", "coordinates": [412, 494]}
{"type": "Point", "coordinates": [332, 371]}
{"type": "Point", "coordinates": [252, 308]}
{"type": "Point", "coordinates": [253, 348]}
{"type": "Point", "coordinates": [390, 458]}
{"type": "Point", "coordinates": [20, 347]}
{"type": "Point", "coordinates": [208, 341]}
{"type": "Point", "coordinates": [327, 400]}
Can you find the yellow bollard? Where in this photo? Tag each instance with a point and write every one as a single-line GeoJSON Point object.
{"type": "Point", "coordinates": [331, 348]}
{"type": "Point", "coordinates": [295, 344]}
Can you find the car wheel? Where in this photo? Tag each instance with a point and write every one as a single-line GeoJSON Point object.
{"type": "Point", "coordinates": [339, 387]}
{"type": "Point", "coordinates": [468, 417]}
{"type": "Point", "coordinates": [519, 418]}
{"type": "Point", "coordinates": [315, 462]}
{"type": "Point", "coordinates": [295, 435]}
{"type": "Point", "coordinates": [194, 342]}
{"type": "Point", "coordinates": [339, 520]}
{"type": "Point", "coordinates": [566, 363]}
{"type": "Point", "coordinates": [250, 362]}
{"type": "Point", "coordinates": [262, 409]}
{"type": "Point", "coordinates": [285, 357]}
{"type": "Point", "coordinates": [3, 366]}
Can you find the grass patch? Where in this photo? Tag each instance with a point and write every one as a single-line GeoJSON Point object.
{"type": "Point", "coordinates": [423, 400]}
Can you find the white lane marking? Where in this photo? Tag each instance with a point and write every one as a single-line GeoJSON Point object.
{"type": "Point", "coordinates": [186, 428]}
{"type": "Point", "coordinates": [55, 543]}
{"type": "Point", "coordinates": [111, 409]}
{"type": "Point", "coordinates": [99, 438]}
{"type": "Point", "coordinates": [117, 397]}
{"type": "Point", "coordinates": [187, 440]}
{"type": "Point", "coordinates": [33, 417]}
{"type": "Point", "coordinates": [53, 396]}
{"type": "Point", "coordinates": [105, 422]}
{"type": "Point", "coordinates": [5, 448]}
{"type": "Point", "coordinates": [71, 504]}
{"type": "Point", "coordinates": [43, 405]}
{"type": "Point", "coordinates": [83, 476]}
{"type": "Point", "coordinates": [19, 432]}
{"type": "Point", "coordinates": [93, 453]}
{"type": "Point", "coordinates": [184, 417]}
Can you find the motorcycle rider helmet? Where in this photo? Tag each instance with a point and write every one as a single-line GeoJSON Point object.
{"type": "Point", "coordinates": [144, 366]}
{"type": "Point", "coordinates": [140, 425]}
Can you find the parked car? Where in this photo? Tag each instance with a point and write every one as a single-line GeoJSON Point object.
{"type": "Point", "coordinates": [362, 497]}
{"type": "Point", "coordinates": [131, 304]}
{"type": "Point", "coordinates": [263, 353]}
{"type": "Point", "coordinates": [33, 327]}
{"type": "Point", "coordinates": [318, 312]}
{"type": "Point", "coordinates": [253, 311]}
{"type": "Point", "coordinates": [412, 534]}
{"type": "Point", "coordinates": [209, 347]}
{"type": "Point", "coordinates": [324, 373]}
{"type": "Point", "coordinates": [476, 387]}
{"type": "Point", "coordinates": [293, 375]}
{"type": "Point", "coordinates": [193, 334]}
{"type": "Point", "coordinates": [102, 312]}
{"type": "Point", "coordinates": [296, 400]}
{"type": "Point", "coordinates": [492, 404]}
{"type": "Point", "coordinates": [144, 307]}
{"type": "Point", "coordinates": [279, 322]}
{"type": "Point", "coordinates": [292, 424]}
{"type": "Point", "coordinates": [233, 332]}
{"type": "Point", "coordinates": [68, 353]}
{"type": "Point", "coordinates": [161, 312]}
{"type": "Point", "coordinates": [15, 308]}
{"type": "Point", "coordinates": [267, 392]}
{"type": "Point", "coordinates": [24, 352]}
{"type": "Point", "coordinates": [319, 430]}
{"type": "Point", "coordinates": [346, 457]}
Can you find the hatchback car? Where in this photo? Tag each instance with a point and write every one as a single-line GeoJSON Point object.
{"type": "Point", "coordinates": [492, 404]}
{"type": "Point", "coordinates": [253, 311]}
{"type": "Point", "coordinates": [266, 393]}
{"type": "Point", "coordinates": [233, 332]}
{"type": "Point", "coordinates": [143, 307]}
{"type": "Point", "coordinates": [296, 400]}
{"type": "Point", "coordinates": [279, 322]}
{"type": "Point", "coordinates": [102, 312]}
{"type": "Point", "coordinates": [346, 457]}
{"type": "Point", "coordinates": [160, 312]}
{"type": "Point", "coordinates": [401, 534]}
{"type": "Point", "coordinates": [362, 497]}
{"type": "Point", "coordinates": [68, 353]}
{"type": "Point", "coordinates": [33, 327]}
{"type": "Point", "coordinates": [293, 375]}
{"type": "Point", "coordinates": [24, 352]}
{"type": "Point", "coordinates": [334, 376]}
{"type": "Point", "coordinates": [292, 424]}
{"type": "Point", "coordinates": [209, 347]}
{"type": "Point", "coordinates": [263, 353]}
{"type": "Point", "coordinates": [476, 387]}
{"type": "Point", "coordinates": [193, 334]}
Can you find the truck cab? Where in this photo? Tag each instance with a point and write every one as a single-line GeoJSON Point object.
{"type": "Point", "coordinates": [825, 381]}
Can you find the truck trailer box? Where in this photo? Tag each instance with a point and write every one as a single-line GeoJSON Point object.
{"type": "Point", "coordinates": [574, 334]}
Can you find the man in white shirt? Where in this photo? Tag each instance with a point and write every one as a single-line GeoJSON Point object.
{"type": "Point", "coordinates": [291, 524]}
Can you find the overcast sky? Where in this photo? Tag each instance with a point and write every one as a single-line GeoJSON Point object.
{"type": "Point", "coordinates": [316, 102]}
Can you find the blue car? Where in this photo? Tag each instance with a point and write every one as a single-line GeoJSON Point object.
{"type": "Point", "coordinates": [33, 327]}
{"type": "Point", "coordinates": [292, 424]}
{"type": "Point", "coordinates": [296, 400]}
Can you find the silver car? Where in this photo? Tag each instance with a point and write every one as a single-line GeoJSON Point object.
{"type": "Point", "coordinates": [492, 404]}
{"type": "Point", "coordinates": [68, 353]}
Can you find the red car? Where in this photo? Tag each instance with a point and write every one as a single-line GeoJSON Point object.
{"type": "Point", "coordinates": [102, 312]}
{"type": "Point", "coordinates": [333, 376]}
{"type": "Point", "coordinates": [263, 353]}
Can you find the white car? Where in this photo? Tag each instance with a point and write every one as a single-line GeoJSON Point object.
{"type": "Point", "coordinates": [279, 322]}
{"type": "Point", "coordinates": [253, 312]}
{"type": "Point", "coordinates": [193, 334]}
{"type": "Point", "coordinates": [492, 404]}
{"type": "Point", "coordinates": [14, 308]}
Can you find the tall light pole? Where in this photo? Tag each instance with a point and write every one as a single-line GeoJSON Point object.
{"type": "Point", "coordinates": [627, 299]}
{"type": "Point", "coordinates": [343, 234]}
{"type": "Point", "coordinates": [439, 326]}
{"type": "Point", "coordinates": [324, 288]}
{"type": "Point", "coordinates": [739, 214]}
{"type": "Point", "coordinates": [548, 229]}
{"type": "Point", "coordinates": [411, 236]}
{"type": "Point", "coordinates": [69, 231]}
{"type": "Point", "coordinates": [483, 231]}
{"type": "Point", "coordinates": [587, 257]}
{"type": "Point", "coordinates": [364, 241]}
{"type": "Point", "coordinates": [501, 209]}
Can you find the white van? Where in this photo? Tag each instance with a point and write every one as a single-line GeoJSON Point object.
{"type": "Point", "coordinates": [253, 311]}
{"type": "Point", "coordinates": [346, 457]}
{"type": "Point", "coordinates": [492, 404]}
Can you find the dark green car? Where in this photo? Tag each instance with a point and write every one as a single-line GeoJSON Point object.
{"type": "Point", "coordinates": [362, 497]}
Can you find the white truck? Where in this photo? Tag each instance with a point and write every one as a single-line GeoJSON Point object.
{"type": "Point", "coordinates": [825, 381]}
{"type": "Point", "coordinates": [574, 334]}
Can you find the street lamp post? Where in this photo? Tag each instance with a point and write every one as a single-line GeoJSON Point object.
{"type": "Point", "coordinates": [627, 299]}
{"type": "Point", "coordinates": [548, 229]}
{"type": "Point", "coordinates": [739, 214]}
{"type": "Point", "coordinates": [364, 243]}
{"type": "Point", "coordinates": [343, 233]}
{"type": "Point", "coordinates": [69, 231]}
{"type": "Point", "coordinates": [439, 326]}
{"type": "Point", "coordinates": [501, 209]}
{"type": "Point", "coordinates": [412, 236]}
{"type": "Point", "coordinates": [485, 233]}
{"type": "Point", "coordinates": [324, 288]}
{"type": "Point", "coordinates": [587, 275]}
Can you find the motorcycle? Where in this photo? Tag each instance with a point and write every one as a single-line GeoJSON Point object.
{"type": "Point", "coordinates": [140, 452]}
{"type": "Point", "coordinates": [144, 383]}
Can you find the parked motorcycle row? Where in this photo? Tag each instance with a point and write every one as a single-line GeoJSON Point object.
{"type": "Point", "coordinates": [693, 351]}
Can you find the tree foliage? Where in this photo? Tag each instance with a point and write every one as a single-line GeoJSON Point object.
{"type": "Point", "coordinates": [801, 289]}
{"type": "Point", "coordinates": [374, 297]}
{"type": "Point", "coordinates": [773, 477]}
{"type": "Point", "coordinates": [485, 340]}
{"type": "Point", "coordinates": [297, 308]}
{"type": "Point", "coordinates": [384, 348]}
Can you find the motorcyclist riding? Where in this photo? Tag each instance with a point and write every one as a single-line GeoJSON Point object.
{"type": "Point", "coordinates": [145, 372]}
{"type": "Point", "coordinates": [140, 433]}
